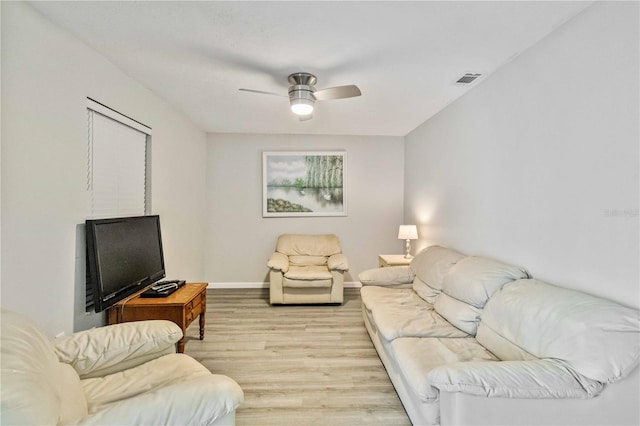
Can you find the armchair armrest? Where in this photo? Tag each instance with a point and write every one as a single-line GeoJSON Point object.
{"type": "Point", "coordinates": [106, 350]}
{"type": "Point", "coordinates": [393, 275]}
{"type": "Point", "coordinates": [338, 262]}
{"type": "Point", "coordinates": [540, 378]}
{"type": "Point", "coordinates": [279, 262]}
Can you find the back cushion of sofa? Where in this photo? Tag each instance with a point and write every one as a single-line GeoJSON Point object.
{"type": "Point", "coordinates": [599, 338]}
{"type": "Point", "coordinates": [308, 245]}
{"type": "Point", "coordinates": [430, 266]}
{"type": "Point", "coordinates": [467, 287]}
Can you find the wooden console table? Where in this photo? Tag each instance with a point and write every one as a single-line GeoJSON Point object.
{"type": "Point", "coordinates": [181, 307]}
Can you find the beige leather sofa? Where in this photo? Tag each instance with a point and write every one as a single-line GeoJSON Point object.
{"type": "Point", "coordinates": [307, 269]}
{"type": "Point", "coordinates": [468, 340]}
{"type": "Point", "coordinates": [125, 374]}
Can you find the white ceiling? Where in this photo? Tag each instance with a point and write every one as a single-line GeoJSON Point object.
{"type": "Point", "coordinates": [404, 56]}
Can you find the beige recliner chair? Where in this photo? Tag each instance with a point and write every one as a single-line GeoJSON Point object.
{"type": "Point", "coordinates": [307, 269]}
{"type": "Point", "coordinates": [123, 374]}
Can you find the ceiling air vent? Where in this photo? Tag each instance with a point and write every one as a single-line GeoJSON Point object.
{"type": "Point", "coordinates": [467, 78]}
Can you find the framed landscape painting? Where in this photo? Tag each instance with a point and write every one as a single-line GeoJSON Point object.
{"type": "Point", "coordinates": [303, 184]}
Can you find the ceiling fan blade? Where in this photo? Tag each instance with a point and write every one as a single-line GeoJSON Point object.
{"type": "Point", "coordinates": [339, 92]}
{"type": "Point", "coordinates": [263, 92]}
{"type": "Point", "coordinates": [305, 117]}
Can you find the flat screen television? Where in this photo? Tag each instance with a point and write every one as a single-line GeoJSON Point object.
{"type": "Point", "coordinates": [124, 255]}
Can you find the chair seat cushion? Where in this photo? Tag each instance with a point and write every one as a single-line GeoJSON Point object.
{"type": "Point", "coordinates": [160, 372]}
{"type": "Point", "coordinates": [287, 283]}
{"type": "Point", "coordinates": [309, 272]}
{"type": "Point", "coordinates": [173, 389]}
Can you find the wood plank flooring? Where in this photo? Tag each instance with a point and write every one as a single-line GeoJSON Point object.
{"type": "Point", "coordinates": [298, 365]}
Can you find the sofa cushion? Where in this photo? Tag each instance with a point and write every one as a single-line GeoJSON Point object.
{"type": "Point", "coordinates": [425, 291]}
{"type": "Point", "coordinates": [468, 285]}
{"type": "Point", "coordinates": [375, 296]}
{"type": "Point", "coordinates": [460, 314]}
{"type": "Point", "coordinates": [474, 279]}
{"type": "Point", "coordinates": [551, 322]}
{"type": "Point", "coordinates": [501, 347]}
{"type": "Point", "coordinates": [540, 378]}
{"type": "Point", "coordinates": [413, 320]}
{"type": "Point", "coordinates": [430, 266]}
{"type": "Point", "coordinates": [308, 245]}
{"type": "Point", "coordinates": [416, 357]}
{"type": "Point", "coordinates": [402, 313]}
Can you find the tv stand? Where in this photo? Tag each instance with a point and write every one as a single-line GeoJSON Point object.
{"type": "Point", "coordinates": [181, 307]}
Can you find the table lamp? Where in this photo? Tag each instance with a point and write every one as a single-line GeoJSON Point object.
{"type": "Point", "coordinates": [408, 233]}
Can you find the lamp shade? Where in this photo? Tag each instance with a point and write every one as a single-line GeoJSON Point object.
{"type": "Point", "coordinates": [408, 232]}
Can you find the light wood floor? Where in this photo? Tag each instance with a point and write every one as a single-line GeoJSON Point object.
{"type": "Point", "coordinates": [298, 365]}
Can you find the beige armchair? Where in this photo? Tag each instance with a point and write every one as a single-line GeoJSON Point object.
{"type": "Point", "coordinates": [307, 269]}
{"type": "Point", "coordinates": [123, 374]}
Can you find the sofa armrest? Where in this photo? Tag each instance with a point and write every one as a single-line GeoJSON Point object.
{"type": "Point", "coordinates": [392, 275]}
{"type": "Point", "coordinates": [279, 262]}
{"type": "Point", "coordinates": [338, 262]}
{"type": "Point", "coordinates": [106, 350]}
{"type": "Point", "coordinates": [540, 378]}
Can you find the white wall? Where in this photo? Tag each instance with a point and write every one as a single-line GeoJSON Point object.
{"type": "Point", "coordinates": [240, 240]}
{"type": "Point", "coordinates": [46, 76]}
{"type": "Point", "coordinates": [539, 165]}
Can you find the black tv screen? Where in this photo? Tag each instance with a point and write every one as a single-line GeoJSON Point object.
{"type": "Point", "coordinates": [124, 255]}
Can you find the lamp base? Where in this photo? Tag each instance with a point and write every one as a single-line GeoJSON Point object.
{"type": "Point", "coordinates": [407, 247]}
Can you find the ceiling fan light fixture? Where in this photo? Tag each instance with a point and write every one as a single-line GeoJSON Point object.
{"type": "Point", "coordinates": [301, 106]}
{"type": "Point", "coordinates": [301, 102]}
{"type": "Point", "coordinates": [303, 94]}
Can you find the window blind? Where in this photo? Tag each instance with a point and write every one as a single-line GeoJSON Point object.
{"type": "Point", "coordinates": [116, 169]}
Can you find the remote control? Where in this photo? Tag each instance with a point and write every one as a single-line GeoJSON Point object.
{"type": "Point", "coordinates": [163, 287]}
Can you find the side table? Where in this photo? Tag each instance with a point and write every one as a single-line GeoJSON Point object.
{"type": "Point", "coordinates": [392, 260]}
{"type": "Point", "coordinates": [181, 307]}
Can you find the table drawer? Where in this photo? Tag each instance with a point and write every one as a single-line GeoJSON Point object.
{"type": "Point", "coordinates": [193, 309]}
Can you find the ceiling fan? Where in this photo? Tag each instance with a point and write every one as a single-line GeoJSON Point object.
{"type": "Point", "coordinates": [303, 94]}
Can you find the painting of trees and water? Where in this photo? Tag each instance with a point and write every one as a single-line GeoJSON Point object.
{"type": "Point", "coordinates": [303, 184]}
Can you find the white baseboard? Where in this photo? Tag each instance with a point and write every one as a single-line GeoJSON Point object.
{"type": "Point", "coordinates": [350, 284]}
{"type": "Point", "coordinates": [239, 285]}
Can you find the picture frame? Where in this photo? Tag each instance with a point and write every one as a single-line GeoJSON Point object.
{"type": "Point", "coordinates": [304, 183]}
